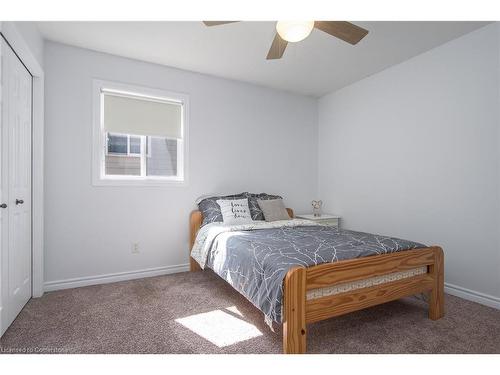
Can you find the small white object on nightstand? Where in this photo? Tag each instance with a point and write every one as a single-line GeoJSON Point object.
{"type": "Point", "coordinates": [324, 219]}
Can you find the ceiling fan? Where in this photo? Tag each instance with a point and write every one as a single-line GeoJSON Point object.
{"type": "Point", "coordinates": [295, 31]}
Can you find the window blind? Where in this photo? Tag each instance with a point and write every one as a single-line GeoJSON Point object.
{"type": "Point", "coordinates": [138, 116]}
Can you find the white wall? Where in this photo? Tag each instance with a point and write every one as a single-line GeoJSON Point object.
{"type": "Point", "coordinates": [30, 35]}
{"type": "Point", "coordinates": [242, 138]}
{"type": "Point", "coordinates": [413, 152]}
{"type": "Point", "coordinates": [29, 32]}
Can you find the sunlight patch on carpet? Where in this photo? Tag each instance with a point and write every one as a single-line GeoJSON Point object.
{"type": "Point", "coordinates": [234, 310]}
{"type": "Point", "coordinates": [220, 328]}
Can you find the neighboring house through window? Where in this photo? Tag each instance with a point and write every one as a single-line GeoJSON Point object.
{"type": "Point", "coordinates": [139, 135]}
{"type": "Point", "coordinates": [123, 144]}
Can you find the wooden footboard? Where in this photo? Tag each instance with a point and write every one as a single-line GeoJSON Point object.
{"type": "Point", "coordinates": [298, 311]}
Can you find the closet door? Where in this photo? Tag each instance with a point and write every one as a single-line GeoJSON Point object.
{"type": "Point", "coordinates": [16, 185]}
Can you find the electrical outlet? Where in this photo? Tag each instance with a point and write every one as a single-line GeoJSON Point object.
{"type": "Point", "coordinates": [135, 248]}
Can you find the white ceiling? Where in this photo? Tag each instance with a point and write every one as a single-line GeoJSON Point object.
{"type": "Point", "coordinates": [315, 66]}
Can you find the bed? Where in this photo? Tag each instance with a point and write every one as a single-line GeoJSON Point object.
{"type": "Point", "coordinates": [289, 271]}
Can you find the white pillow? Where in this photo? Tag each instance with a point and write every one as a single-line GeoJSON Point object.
{"type": "Point", "coordinates": [235, 211]}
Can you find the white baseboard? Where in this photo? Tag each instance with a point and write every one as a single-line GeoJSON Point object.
{"type": "Point", "coordinates": [113, 277]}
{"type": "Point", "coordinates": [472, 295]}
{"type": "Point", "coordinates": [458, 291]}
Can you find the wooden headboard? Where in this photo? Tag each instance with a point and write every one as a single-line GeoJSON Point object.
{"type": "Point", "coordinates": [195, 221]}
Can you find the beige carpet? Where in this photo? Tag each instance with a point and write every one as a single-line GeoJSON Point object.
{"type": "Point", "coordinates": [200, 313]}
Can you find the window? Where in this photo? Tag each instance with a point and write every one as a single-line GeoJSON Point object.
{"type": "Point", "coordinates": [139, 135]}
{"type": "Point", "coordinates": [123, 144]}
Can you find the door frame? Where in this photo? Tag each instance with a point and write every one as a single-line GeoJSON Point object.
{"type": "Point", "coordinates": [21, 48]}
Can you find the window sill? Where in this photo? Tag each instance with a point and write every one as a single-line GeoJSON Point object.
{"type": "Point", "coordinates": [124, 155]}
{"type": "Point", "coordinates": [139, 182]}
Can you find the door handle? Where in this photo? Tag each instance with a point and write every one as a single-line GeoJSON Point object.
{"type": "Point", "coordinates": [19, 201]}
{"type": "Point", "coordinates": [3, 205]}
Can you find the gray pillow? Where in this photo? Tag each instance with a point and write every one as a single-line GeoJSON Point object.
{"type": "Point", "coordinates": [211, 210]}
{"type": "Point", "coordinates": [255, 209]}
{"type": "Point", "coordinates": [273, 209]}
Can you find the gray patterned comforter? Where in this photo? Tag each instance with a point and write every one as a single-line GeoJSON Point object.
{"type": "Point", "coordinates": [255, 258]}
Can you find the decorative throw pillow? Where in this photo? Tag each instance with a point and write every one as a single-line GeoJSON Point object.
{"type": "Point", "coordinates": [235, 211]}
{"type": "Point", "coordinates": [273, 209]}
{"type": "Point", "coordinates": [255, 209]}
{"type": "Point", "coordinates": [211, 210]}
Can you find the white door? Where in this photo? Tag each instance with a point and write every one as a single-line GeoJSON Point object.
{"type": "Point", "coordinates": [16, 185]}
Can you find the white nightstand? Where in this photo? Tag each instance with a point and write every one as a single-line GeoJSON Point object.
{"type": "Point", "coordinates": [324, 219]}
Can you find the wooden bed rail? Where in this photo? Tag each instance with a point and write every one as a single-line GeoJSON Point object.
{"type": "Point", "coordinates": [298, 311]}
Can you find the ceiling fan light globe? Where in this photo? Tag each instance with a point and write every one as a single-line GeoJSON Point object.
{"type": "Point", "coordinates": [294, 31]}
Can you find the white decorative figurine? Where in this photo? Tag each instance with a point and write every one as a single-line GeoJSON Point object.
{"type": "Point", "coordinates": [317, 207]}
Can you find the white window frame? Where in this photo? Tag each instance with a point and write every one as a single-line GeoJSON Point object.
{"type": "Point", "coordinates": [99, 146]}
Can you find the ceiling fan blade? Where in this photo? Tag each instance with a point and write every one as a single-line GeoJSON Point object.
{"type": "Point", "coordinates": [346, 31]}
{"type": "Point", "coordinates": [277, 48]}
{"type": "Point", "coordinates": [216, 23]}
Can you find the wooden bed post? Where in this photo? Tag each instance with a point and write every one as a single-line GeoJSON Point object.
{"type": "Point", "coordinates": [436, 300]}
{"type": "Point", "coordinates": [294, 311]}
{"type": "Point", "coordinates": [195, 221]}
